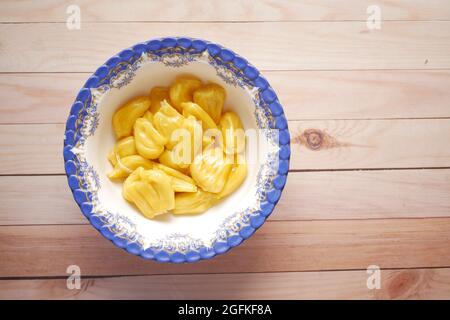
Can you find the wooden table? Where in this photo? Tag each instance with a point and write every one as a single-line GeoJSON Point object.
{"type": "Point", "coordinates": [369, 111]}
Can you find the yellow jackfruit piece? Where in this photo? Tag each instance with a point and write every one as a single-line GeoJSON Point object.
{"type": "Point", "coordinates": [210, 170]}
{"type": "Point", "coordinates": [126, 165]}
{"type": "Point", "coordinates": [123, 148]}
{"type": "Point", "coordinates": [174, 160]}
{"type": "Point", "coordinates": [188, 138]}
{"type": "Point", "coordinates": [193, 202]}
{"type": "Point", "coordinates": [157, 95]}
{"type": "Point", "coordinates": [166, 121]}
{"type": "Point", "coordinates": [232, 132]}
{"type": "Point", "coordinates": [211, 98]}
{"type": "Point", "coordinates": [190, 108]}
{"type": "Point", "coordinates": [149, 116]}
{"type": "Point", "coordinates": [124, 118]}
{"type": "Point", "coordinates": [150, 190]}
{"type": "Point", "coordinates": [180, 182]}
{"type": "Point", "coordinates": [182, 90]}
{"type": "Point", "coordinates": [236, 177]}
{"type": "Point", "coordinates": [149, 142]}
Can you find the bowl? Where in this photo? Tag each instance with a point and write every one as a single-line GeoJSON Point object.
{"type": "Point", "coordinates": [89, 136]}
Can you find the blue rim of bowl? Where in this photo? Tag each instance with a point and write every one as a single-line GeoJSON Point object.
{"type": "Point", "coordinates": [245, 70]}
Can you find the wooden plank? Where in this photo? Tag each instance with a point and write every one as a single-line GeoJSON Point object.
{"type": "Point", "coordinates": [31, 149]}
{"type": "Point", "coordinates": [365, 195]}
{"type": "Point", "coordinates": [217, 10]}
{"type": "Point", "coordinates": [38, 98]}
{"type": "Point", "coordinates": [362, 94]}
{"type": "Point", "coordinates": [37, 200]}
{"type": "Point", "coordinates": [270, 46]}
{"type": "Point", "coordinates": [307, 196]}
{"type": "Point", "coordinates": [395, 284]}
{"type": "Point", "coordinates": [29, 251]}
{"type": "Point", "coordinates": [316, 145]}
{"type": "Point", "coordinates": [46, 98]}
{"type": "Point", "coordinates": [341, 144]}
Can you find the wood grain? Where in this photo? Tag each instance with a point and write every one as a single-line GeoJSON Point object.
{"type": "Point", "coordinates": [31, 149]}
{"type": "Point", "coordinates": [52, 47]}
{"type": "Point", "coordinates": [362, 94]}
{"type": "Point", "coordinates": [30, 251]}
{"type": "Point", "coordinates": [38, 98]}
{"type": "Point", "coordinates": [395, 284]}
{"type": "Point", "coordinates": [46, 98]}
{"type": "Point", "coordinates": [332, 144]}
{"type": "Point", "coordinates": [376, 100]}
{"type": "Point", "coordinates": [37, 200]}
{"type": "Point", "coordinates": [340, 144]}
{"type": "Point", "coordinates": [217, 10]}
{"type": "Point", "coordinates": [316, 195]}
{"type": "Point", "coordinates": [365, 195]}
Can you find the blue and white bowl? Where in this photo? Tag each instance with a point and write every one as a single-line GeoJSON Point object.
{"type": "Point", "coordinates": [89, 136]}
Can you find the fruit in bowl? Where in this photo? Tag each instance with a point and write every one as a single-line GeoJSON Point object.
{"type": "Point", "coordinates": [128, 165]}
{"type": "Point", "coordinates": [193, 179]}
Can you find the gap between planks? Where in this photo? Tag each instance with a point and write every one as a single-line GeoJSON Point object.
{"type": "Point", "coordinates": [395, 284]}
{"type": "Point", "coordinates": [343, 45]}
{"type": "Point", "coordinates": [305, 95]}
{"type": "Point", "coordinates": [315, 145]}
{"type": "Point", "coordinates": [390, 194]}
{"type": "Point", "coordinates": [276, 247]}
{"type": "Point", "coordinates": [211, 273]}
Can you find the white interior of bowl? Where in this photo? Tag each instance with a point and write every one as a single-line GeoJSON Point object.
{"type": "Point", "coordinates": [202, 226]}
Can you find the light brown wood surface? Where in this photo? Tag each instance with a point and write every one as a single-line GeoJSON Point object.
{"type": "Point", "coordinates": [379, 94]}
{"type": "Point", "coordinates": [369, 115]}
{"type": "Point", "coordinates": [317, 196]}
{"type": "Point", "coordinates": [352, 144]}
{"type": "Point", "coordinates": [217, 10]}
{"type": "Point", "coordinates": [337, 45]}
{"type": "Point", "coordinates": [395, 284]}
{"type": "Point", "coordinates": [31, 251]}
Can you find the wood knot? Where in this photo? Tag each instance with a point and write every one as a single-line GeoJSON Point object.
{"type": "Point", "coordinates": [315, 139]}
{"type": "Point", "coordinates": [403, 284]}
